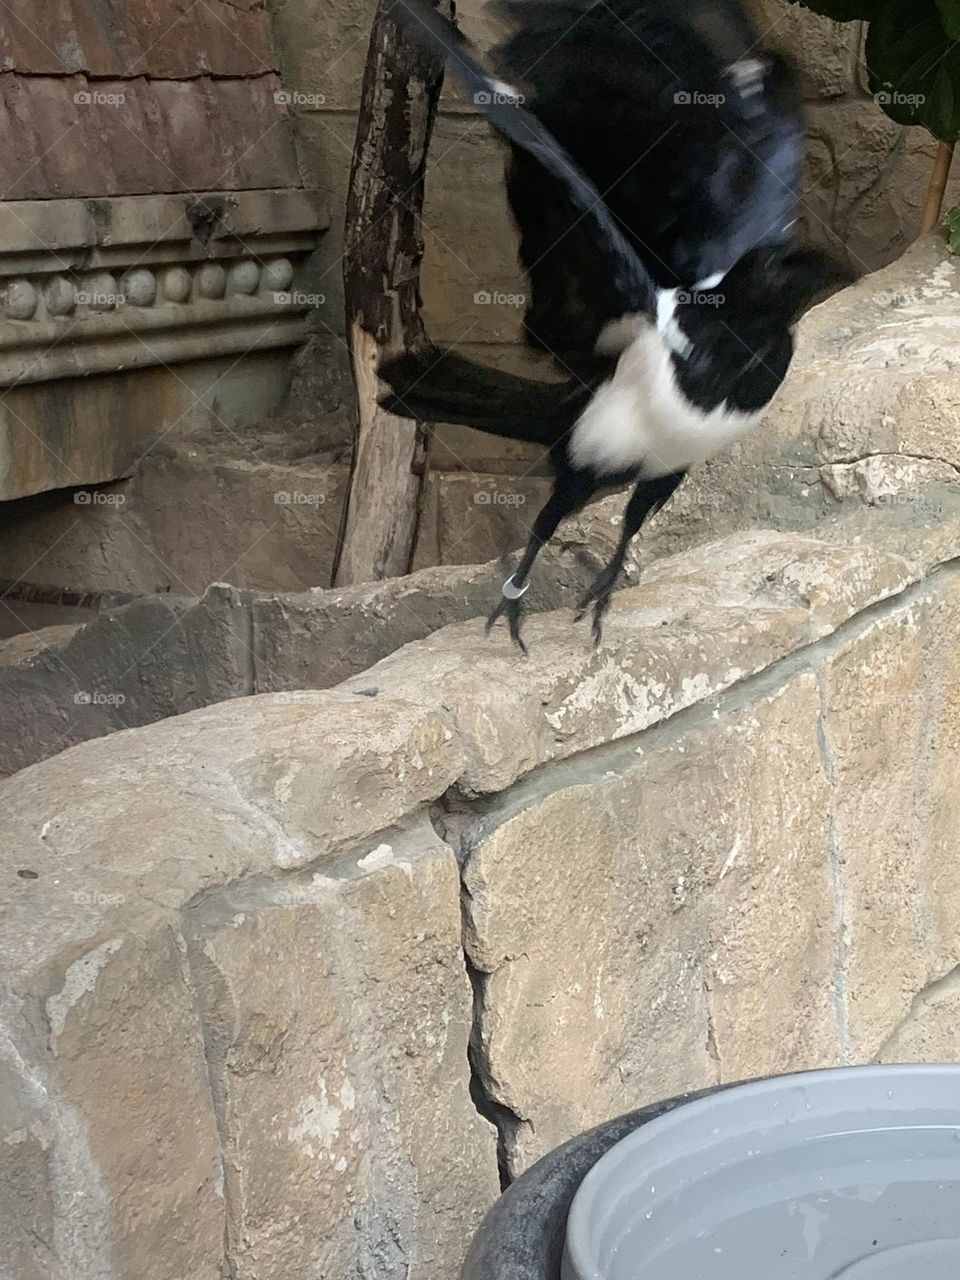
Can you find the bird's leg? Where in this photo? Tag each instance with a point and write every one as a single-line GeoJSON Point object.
{"type": "Point", "coordinates": [648, 497]}
{"type": "Point", "coordinates": [569, 493]}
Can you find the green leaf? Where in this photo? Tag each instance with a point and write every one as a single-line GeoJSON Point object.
{"type": "Point", "coordinates": [915, 67]}
{"type": "Point", "coordinates": [953, 228]}
{"type": "Point", "coordinates": [847, 10]}
{"type": "Point", "coordinates": [950, 17]}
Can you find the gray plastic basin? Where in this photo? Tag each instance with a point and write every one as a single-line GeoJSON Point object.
{"type": "Point", "coordinates": [850, 1174]}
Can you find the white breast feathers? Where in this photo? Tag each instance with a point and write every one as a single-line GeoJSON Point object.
{"type": "Point", "coordinates": [641, 419]}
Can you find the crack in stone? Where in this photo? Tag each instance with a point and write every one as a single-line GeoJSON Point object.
{"type": "Point", "coordinates": [939, 988]}
{"type": "Point", "coordinates": [203, 981]}
{"type": "Point", "coordinates": [507, 1122]}
{"type": "Point", "coordinates": [449, 822]}
{"type": "Point", "coordinates": [896, 457]}
{"type": "Point", "coordinates": [713, 1049]}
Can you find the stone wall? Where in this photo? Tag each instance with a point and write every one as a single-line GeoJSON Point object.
{"type": "Point", "coordinates": [866, 176]}
{"type": "Point", "coordinates": [155, 232]}
{"type": "Point", "coordinates": [287, 980]}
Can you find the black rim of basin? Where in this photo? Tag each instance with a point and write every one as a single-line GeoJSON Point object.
{"type": "Point", "coordinates": [522, 1236]}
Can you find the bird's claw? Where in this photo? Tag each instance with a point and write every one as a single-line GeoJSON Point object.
{"type": "Point", "coordinates": [598, 598]}
{"type": "Point", "coordinates": [511, 608]}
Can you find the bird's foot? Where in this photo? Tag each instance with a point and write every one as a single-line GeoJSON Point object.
{"type": "Point", "coordinates": [510, 606]}
{"type": "Point", "coordinates": [598, 598]}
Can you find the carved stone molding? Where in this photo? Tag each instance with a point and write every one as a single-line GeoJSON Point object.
{"type": "Point", "coordinates": [126, 318]}
{"type": "Point", "coordinates": [97, 286]}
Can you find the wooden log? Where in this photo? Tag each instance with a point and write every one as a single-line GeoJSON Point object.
{"type": "Point", "coordinates": [937, 187]}
{"type": "Point", "coordinates": [383, 248]}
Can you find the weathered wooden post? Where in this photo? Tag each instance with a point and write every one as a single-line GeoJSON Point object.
{"type": "Point", "coordinates": [382, 253]}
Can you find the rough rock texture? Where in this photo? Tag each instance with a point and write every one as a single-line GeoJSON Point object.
{"type": "Point", "coordinates": [683, 634]}
{"type": "Point", "coordinates": [137, 663]}
{"type": "Point", "coordinates": [868, 424]}
{"type": "Point", "coordinates": [874, 379]}
{"type": "Point", "coordinates": [246, 1029]}
{"type": "Point", "coordinates": [130, 666]}
{"type": "Point", "coordinates": [188, 517]}
{"type": "Point", "coordinates": [653, 955]}
{"type": "Point", "coordinates": [168, 985]}
{"type": "Point", "coordinates": [348, 1130]}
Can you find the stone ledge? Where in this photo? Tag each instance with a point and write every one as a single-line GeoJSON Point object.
{"type": "Point", "coordinates": [231, 643]}
{"type": "Point", "coordinates": [392, 740]}
{"type": "Point", "coordinates": [698, 623]}
{"type": "Point", "coordinates": [73, 233]}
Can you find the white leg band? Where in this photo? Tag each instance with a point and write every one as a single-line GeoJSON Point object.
{"type": "Point", "coordinates": [511, 592]}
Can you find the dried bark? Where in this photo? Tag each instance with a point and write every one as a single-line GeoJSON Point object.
{"type": "Point", "coordinates": [383, 251]}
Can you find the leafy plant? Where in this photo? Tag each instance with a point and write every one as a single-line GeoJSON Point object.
{"type": "Point", "coordinates": [912, 56]}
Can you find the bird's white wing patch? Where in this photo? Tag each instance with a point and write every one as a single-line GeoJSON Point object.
{"type": "Point", "coordinates": [640, 418]}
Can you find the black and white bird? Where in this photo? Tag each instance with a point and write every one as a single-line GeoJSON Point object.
{"type": "Point", "coordinates": [654, 180]}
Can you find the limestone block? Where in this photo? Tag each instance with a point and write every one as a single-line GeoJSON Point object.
{"type": "Point", "coordinates": [696, 624]}
{"type": "Point", "coordinates": [112, 1159]}
{"type": "Point", "coordinates": [481, 517]}
{"type": "Point", "coordinates": [129, 1062]}
{"type": "Point", "coordinates": [130, 666]}
{"type": "Point", "coordinates": [473, 290]}
{"type": "Point", "coordinates": [874, 714]}
{"type": "Point", "coordinates": [28, 1222]}
{"type": "Point", "coordinates": [322, 48]}
{"type": "Point", "coordinates": [864, 181]}
{"type": "Point", "coordinates": [653, 919]}
{"type": "Point", "coordinates": [874, 373]}
{"type": "Point", "coordinates": [186, 518]}
{"type": "Point", "coordinates": [937, 804]}
{"type": "Point", "coordinates": [339, 1014]}
{"type": "Point", "coordinates": [177, 1003]}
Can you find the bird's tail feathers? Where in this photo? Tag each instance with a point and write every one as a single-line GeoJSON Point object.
{"type": "Point", "coordinates": [435, 386]}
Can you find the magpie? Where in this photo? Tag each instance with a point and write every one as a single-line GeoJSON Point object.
{"type": "Point", "coordinates": [654, 180]}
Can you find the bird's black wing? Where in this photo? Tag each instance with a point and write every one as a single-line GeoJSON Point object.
{"type": "Point", "coordinates": [690, 130]}
{"type": "Point", "coordinates": [627, 284]}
